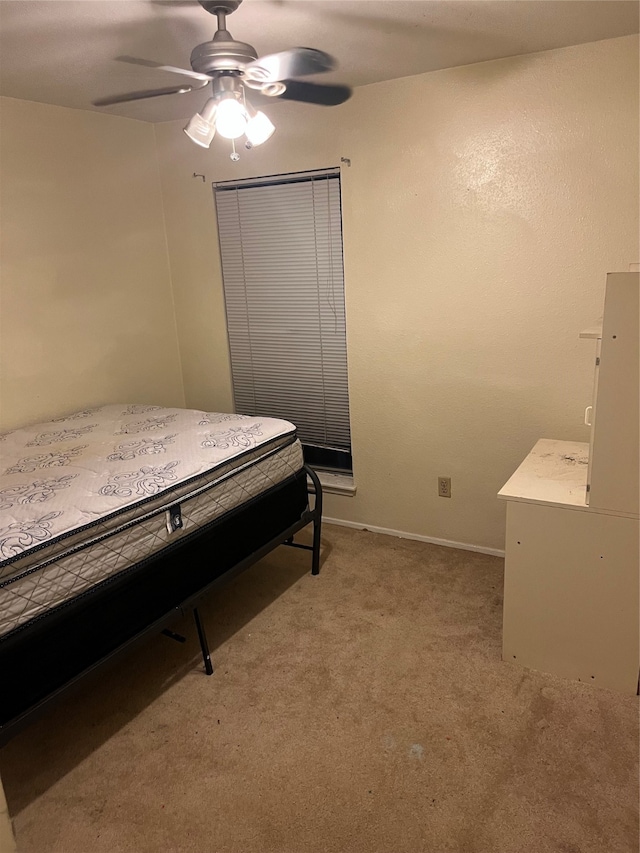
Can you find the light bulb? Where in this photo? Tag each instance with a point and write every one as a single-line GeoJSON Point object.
{"type": "Point", "coordinates": [231, 118]}
{"type": "Point", "coordinates": [259, 129]}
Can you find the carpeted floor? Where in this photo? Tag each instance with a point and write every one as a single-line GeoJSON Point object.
{"type": "Point", "coordinates": [363, 711]}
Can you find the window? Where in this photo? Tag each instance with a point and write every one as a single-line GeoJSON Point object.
{"type": "Point", "coordinates": [281, 251]}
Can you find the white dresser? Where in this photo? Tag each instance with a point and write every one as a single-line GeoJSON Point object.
{"type": "Point", "coordinates": [572, 544]}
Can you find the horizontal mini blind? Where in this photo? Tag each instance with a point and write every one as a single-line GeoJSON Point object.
{"type": "Point", "coordinates": [281, 250]}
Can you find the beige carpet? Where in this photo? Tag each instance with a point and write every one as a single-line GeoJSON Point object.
{"type": "Point", "coordinates": [364, 710]}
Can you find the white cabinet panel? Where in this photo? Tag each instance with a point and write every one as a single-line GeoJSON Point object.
{"type": "Point", "coordinates": [615, 458]}
{"type": "Point", "coordinates": [571, 594]}
{"type": "Point", "coordinates": [592, 415]}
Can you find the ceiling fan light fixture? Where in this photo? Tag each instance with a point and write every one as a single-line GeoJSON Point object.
{"type": "Point", "coordinates": [259, 128]}
{"type": "Point", "coordinates": [231, 67]}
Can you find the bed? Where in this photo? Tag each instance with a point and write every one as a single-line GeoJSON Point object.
{"type": "Point", "coordinates": [117, 519]}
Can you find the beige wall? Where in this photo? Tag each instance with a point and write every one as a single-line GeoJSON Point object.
{"type": "Point", "coordinates": [86, 304]}
{"type": "Point", "coordinates": [482, 209]}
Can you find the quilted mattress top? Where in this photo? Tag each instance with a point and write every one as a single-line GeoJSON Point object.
{"type": "Point", "coordinates": [74, 472]}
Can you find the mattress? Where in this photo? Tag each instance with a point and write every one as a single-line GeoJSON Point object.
{"type": "Point", "coordinates": [88, 496]}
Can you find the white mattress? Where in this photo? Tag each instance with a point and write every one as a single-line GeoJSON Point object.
{"type": "Point", "coordinates": [89, 495]}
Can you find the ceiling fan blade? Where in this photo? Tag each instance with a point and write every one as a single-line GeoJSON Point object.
{"type": "Point", "coordinates": [312, 93]}
{"type": "Point", "coordinates": [297, 62]}
{"type": "Point", "coordinates": [138, 96]}
{"type": "Point", "coordinates": [149, 63]}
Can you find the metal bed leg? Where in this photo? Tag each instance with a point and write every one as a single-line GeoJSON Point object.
{"type": "Point", "coordinates": [315, 559]}
{"type": "Point", "coordinates": [208, 667]}
{"type": "Point", "coordinates": [317, 521]}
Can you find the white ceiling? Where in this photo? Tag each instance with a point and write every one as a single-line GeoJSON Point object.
{"type": "Point", "coordinates": [61, 51]}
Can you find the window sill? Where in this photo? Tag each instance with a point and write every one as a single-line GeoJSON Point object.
{"type": "Point", "coordinates": [336, 484]}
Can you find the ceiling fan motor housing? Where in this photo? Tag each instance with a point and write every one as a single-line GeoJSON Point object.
{"type": "Point", "coordinates": [223, 52]}
{"type": "Point", "coordinates": [222, 55]}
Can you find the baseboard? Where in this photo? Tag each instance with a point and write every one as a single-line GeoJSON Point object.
{"type": "Point", "coordinates": [400, 534]}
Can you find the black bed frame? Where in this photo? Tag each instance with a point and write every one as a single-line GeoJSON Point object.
{"type": "Point", "coordinates": [51, 654]}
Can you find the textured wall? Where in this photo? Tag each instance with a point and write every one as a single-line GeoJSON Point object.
{"type": "Point", "coordinates": [87, 309]}
{"type": "Point", "coordinates": [482, 209]}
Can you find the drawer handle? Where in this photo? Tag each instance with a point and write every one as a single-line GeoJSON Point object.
{"type": "Point", "coordinates": [587, 415]}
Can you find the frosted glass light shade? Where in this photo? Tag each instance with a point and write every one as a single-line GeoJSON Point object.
{"type": "Point", "coordinates": [259, 129]}
{"type": "Point", "coordinates": [201, 128]}
{"type": "Point", "coordinates": [231, 118]}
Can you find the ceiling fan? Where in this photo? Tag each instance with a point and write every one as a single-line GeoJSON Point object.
{"type": "Point", "coordinates": [231, 67]}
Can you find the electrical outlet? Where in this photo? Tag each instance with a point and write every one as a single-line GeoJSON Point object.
{"type": "Point", "coordinates": [444, 487]}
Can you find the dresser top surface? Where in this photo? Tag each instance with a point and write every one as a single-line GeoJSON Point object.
{"type": "Point", "coordinates": [554, 472]}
